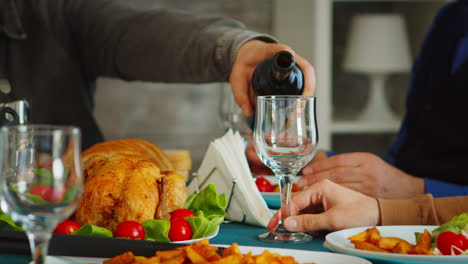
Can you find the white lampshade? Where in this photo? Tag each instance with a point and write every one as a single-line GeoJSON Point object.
{"type": "Point", "coordinates": [377, 43]}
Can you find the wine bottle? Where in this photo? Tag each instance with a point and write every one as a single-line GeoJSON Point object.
{"type": "Point", "coordinates": [277, 75]}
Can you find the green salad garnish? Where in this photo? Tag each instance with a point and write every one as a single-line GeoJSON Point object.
{"type": "Point", "coordinates": [208, 205]}
{"type": "Point", "coordinates": [455, 225]}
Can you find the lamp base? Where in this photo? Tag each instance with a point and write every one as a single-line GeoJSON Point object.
{"type": "Point", "coordinates": [377, 108]}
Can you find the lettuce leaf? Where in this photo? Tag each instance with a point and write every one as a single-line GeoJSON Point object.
{"type": "Point", "coordinates": [208, 201]}
{"type": "Point", "coordinates": [203, 226]}
{"type": "Point", "coordinates": [69, 195]}
{"type": "Point", "coordinates": [210, 210]}
{"type": "Point", "coordinates": [7, 223]}
{"type": "Point", "coordinates": [45, 176]}
{"type": "Point", "coordinates": [92, 230]}
{"type": "Point", "coordinates": [36, 199]}
{"type": "Point", "coordinates": [156, 230]}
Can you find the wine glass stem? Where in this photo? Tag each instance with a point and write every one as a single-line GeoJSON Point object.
{"type": "Point", "coordinates": [39, 243]}
{"type": "Point", "coordinates": [285, 185]}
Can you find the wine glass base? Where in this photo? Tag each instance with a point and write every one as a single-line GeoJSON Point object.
{"type": "Point", "coordinates": [284, 237]}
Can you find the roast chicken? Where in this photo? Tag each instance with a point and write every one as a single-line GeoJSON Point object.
{"type": "Point", "coordinates": [130, 179]}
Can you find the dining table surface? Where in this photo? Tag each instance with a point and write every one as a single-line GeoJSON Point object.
{"type": "Point", "coordinates": [233, 232]}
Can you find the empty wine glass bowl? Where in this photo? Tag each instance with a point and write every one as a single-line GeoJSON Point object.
{"type": "Point", "coordinates": [285, 139]}
{"type": "Point", "coordinates": [231, 115]}
{"type": "Point", "coordinates": [41, 180]}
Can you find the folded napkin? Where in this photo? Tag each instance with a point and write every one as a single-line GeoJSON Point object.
{"type": "Point", "coordinates": [225, 165]}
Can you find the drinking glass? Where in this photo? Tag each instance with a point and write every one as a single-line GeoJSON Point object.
{"type": "Point", "coordinates": [285, 138]}
{"type": "Point", "coordinates": [41, 179]}
{"type": "Point", "coordinates": [231, 115]}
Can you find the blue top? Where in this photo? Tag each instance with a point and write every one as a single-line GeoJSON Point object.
{"type": "Point", "coordinates": [443, 189]}
{"type": "Point", "coordinates": [431, 142]}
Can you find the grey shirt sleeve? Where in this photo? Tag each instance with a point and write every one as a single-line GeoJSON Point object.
{"type": "Point", "coordinates": [117, 40]}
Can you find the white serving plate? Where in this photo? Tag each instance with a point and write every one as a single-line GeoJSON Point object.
{"type": "Point", "coordinates": [338, 242]}
{"type": "Point", "coordinates": [302, 256]}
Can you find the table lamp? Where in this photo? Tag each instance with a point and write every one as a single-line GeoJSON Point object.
{"type": "Point", "coordinates": [377, 46]}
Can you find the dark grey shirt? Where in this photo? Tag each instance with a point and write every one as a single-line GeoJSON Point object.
{"type": "Point", "coordinates": [52, 52]}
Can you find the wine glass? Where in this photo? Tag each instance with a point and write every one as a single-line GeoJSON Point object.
{"type": "Point", "coordinates": [231, 115]}
{"type": "Point", "coordinates": [41, 179]}
{"type": "Point", "coordinates": [285, 138]}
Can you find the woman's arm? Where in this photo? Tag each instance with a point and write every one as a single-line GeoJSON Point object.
{"type": "Point", "coordinates": [329, 206]}
{"type": "Point", "coordinates": [421, 210]}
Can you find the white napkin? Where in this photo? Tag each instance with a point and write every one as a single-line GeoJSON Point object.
{"type": "Point", "coordinates": [225, 163]}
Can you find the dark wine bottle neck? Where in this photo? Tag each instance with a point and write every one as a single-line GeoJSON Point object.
{"type": "Point", "coordinates": [283, 64]}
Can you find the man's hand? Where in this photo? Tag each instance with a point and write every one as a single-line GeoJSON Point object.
{"type": "Point", "coordinates": [366, 173]}
{"type": "Point", "coordinates": [329, 206]}
{"type": "Point", "coordinates": [249, 55]}
{"type": "Point", "coordinates": [319, 155]}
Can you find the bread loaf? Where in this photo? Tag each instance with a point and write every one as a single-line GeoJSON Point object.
{"type": "Point", "coordinates": [181, 161]}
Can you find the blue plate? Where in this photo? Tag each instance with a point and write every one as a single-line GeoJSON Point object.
{"type": "Point", "coordinates": [272, 199]}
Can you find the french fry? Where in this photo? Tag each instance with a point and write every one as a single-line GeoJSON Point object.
{"type": "Point", "coordinates": [169, 254]}
{"type": "Point", "coordinates": [423, 247]}
{"type": "Point", "coordinates": [364, 245]}
{"type": "Point", "coordinates": [371, 235]}
{"type": "Point", "coordinates": [374, 235]}
{"type": "Point", "coordinates": [124, 258]}
{"type": "Point", "coordinates": [209, 252]}
{"type": "Point", "coordinates": [202, 252]}
{"type": "Point", "coordinates": [371, 240]}
{"type": "Point", "coordinates": [249, 258]}
{"type": "Point", "coordinates": [363, 236]}
{"type": "Point", "coordinates": [194, 256]}
{"type": "Point", "coordinates": [176, 260]}
{"type": "Point", "coordinates": [425, 241]}
{"type": "Point", "coordinates": [389, 242]}
{"type": "Point", "coordinates": [232, 250]}
{"type": "Point", "coordinates": [403, 247]}
{"type": "Point", "coordinates": [151, 260]}
{"type": "Point", "coordinates": [231, 259]}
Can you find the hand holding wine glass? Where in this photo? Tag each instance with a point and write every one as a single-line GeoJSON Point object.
{"type": "Point", "coordinates": [285, 138]}
{"type": "Point", "coordinates": [41, 180]}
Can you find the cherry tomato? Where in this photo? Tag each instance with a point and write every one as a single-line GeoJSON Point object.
{"type": "Point", "coordinates": [180, 230]}
{"type": "Point", "coordinates": [48, 193]}
{"type": "Point", "coordinates": [40, 190]}
{"type": "Point", "coordinates": [130, 229]}
{"type": "Point", "coordinates": [67, 227]}
{"type": "Point", "coordinates": [181, 213]}
{"type": "Point", "coordinates": [264, 185]}
{"type": "Point", "coordinates": [447, 239]}
{"type": "Point", "coordinates": [56, 195]}
{"type": "Point", "coordinates": [47, 165]}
